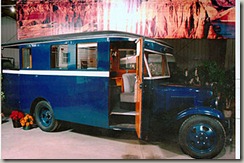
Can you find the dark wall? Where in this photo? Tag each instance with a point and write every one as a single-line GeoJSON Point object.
{"type": "Point", "coordinates": [190, 53]}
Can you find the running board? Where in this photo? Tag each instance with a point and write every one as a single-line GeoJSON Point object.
{"type": "Point", "coordinates": [123, 112]}
{"type": "Point", "coordinates": [123, 126]}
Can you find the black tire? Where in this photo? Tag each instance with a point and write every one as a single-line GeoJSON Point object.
{"type": "Point", "coordinates": [202, 137]}
{"type": "Point", "coordinates": [44, 117]}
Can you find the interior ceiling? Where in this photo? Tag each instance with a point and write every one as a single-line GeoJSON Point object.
{"type": "Point", "coordinates": [5, 8]}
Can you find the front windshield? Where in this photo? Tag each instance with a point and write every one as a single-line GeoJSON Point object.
{"type": "Point", "coordinates": [157, 66]}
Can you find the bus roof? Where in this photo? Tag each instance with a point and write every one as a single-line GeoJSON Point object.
{"type": "Point", "coordinates": [76, 36]}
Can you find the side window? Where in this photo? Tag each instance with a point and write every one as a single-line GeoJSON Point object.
{"type": "Point", "coordinates": [165, 67]}
{"type": "Point", "coordinates": [127, 59]}
{"type": "Point", "coordinates": [86, 56]}
{"type": "Point", "coordinates": [156, 65]}
{"type": "Point", "coordinates": [59, 56]}
{"type": "Point", "coordinates": [26, 58]}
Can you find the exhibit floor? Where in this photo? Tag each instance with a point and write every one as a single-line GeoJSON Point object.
{"type": "Point", "coordinates": [74, 141]}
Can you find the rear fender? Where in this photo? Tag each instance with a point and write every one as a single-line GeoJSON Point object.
{"type": "Point", "coordinates": [200, 111]}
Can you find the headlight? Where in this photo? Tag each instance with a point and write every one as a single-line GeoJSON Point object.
{"type": "Point", "coordinates": [213, 102]}
{"type": "Point", "coordinates": [216, 102]}
{"type": "Point", "coordinates": [219, 102]}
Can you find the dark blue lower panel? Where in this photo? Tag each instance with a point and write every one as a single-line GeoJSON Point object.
{"type": "Point", "coordinates": [81, 100]}
{"type": "Point", "coordinates": [10, 87]}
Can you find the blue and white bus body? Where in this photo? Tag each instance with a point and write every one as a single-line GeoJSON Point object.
{"type": "Point", "coordinates": [67, 91]}
{"type": "Point", "coordinates": [80, 96]}
{"type": "Point", "coordinates": [81, 78]}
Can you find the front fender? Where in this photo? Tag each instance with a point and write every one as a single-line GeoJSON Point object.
{"type": "Point", "coordinates": [200, 111]}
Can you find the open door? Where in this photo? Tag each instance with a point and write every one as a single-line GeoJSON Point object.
{"type": "Point", "coordinates": [138, 85]}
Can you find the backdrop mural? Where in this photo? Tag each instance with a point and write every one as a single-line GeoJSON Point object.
{"type": "Point", "coordinates": [212, 19]}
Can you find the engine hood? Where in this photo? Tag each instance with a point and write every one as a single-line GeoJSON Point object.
{"type": "Point", "coordinates": [181, 96]}
{"type": "Point", "coordinates": [199, 94]}
{"type": "Point", "coordinates": [186, 88]}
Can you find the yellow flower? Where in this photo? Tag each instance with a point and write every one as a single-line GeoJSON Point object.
{"type": "Point", "coordinates": [27, 120]}
{"type": "Point", "coordinates": [22, 122]}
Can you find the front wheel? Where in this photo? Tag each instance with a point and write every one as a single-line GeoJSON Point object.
{"type": "Point", "coordinates": [202, 137]}
{"type": "Point", "coordinates": [44, 117]}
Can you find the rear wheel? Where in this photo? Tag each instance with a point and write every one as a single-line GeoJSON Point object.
{"type": "Point", "coordinates": [44, 117]}
{"type": "Point", "coordinates": [202, 137]}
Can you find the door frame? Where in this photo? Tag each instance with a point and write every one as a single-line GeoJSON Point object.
{"type": "Point", "coordinates": [139, 84]}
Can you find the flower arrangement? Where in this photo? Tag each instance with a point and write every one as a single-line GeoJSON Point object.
{"type": "Point", "coordinates": [27, 121]}
{"type": "Point", "coordinates": [16, 115]}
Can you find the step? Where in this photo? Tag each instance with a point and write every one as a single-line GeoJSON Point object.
{"type": "Point", "coordinates": [119, 111]}
{"type": "Point", "coordinates": [124, 126]}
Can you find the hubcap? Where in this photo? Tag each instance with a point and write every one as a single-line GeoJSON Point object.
{"type": "Point", "coordinates": [201, 138]}
{"type": "Point", "coordinates": [46, 117]}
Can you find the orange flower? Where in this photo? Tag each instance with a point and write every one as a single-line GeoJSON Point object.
{"type": "Point", "coordinates": [22, 122]}
{"type": "Point", "coordinates": [27, 120]}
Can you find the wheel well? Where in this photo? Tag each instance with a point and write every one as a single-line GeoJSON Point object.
{"type": "Point", "coordinates": [34, 103]}
{"type": "Point", "coordinates": [182, 120]}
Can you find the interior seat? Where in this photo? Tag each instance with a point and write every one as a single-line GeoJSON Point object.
{"type": "Point", "coordinates": [128, 95]}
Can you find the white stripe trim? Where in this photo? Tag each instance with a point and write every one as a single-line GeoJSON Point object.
{"type": "Point", "coordinates": [59, 73]}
